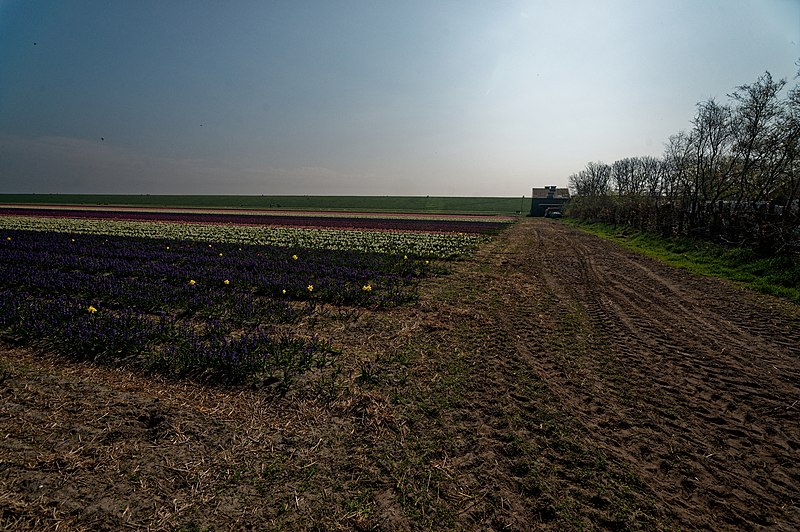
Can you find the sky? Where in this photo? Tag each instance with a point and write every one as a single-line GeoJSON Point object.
{"type": "Point", "coordinates": [430, 97]}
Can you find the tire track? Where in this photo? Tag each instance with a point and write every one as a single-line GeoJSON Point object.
{"type": "Point", "coordinates": [700, 378]}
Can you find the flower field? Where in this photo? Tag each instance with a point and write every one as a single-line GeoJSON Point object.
{"type": "Point", "coordinates": [213, 301]}
{"type": "Point", "coordinates": [423, 244]}
{"type": "Point", "coordinates": [481, 224]}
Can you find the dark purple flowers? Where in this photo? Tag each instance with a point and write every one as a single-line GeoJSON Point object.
{"type": "Point", "coordinates": [183, 307]}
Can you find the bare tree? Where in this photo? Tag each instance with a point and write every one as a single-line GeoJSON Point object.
{"type": "Point", "coordinates": [677, 166]}
{"type": "Point", "coordinates": [593, 180]}
{"type": "Point", "coordinates": [711, 140]}
{"type": "Point", "coordinates": [652, 169]}
{"type": "Point", "coordinates": [578, 184]}
{"type": "Point", "coordinates": [598, 175]}
{"type": "Point", "coordinates": [758, 137]}
{"type": "Point", "coordinates": [622, 175]}
{"type": "Point", "coordinates": [790, 125]}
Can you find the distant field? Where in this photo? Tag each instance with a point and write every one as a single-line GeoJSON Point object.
{"type": "Point", "coordinates": [432, 204]}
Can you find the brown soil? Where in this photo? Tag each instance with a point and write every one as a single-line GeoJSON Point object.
{"type": "Point", "coordinates": [553, 380]}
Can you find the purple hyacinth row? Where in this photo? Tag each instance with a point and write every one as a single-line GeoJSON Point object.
{"type": "Point", "coordinates": [184, 307]}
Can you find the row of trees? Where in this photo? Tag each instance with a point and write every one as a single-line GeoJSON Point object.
{"type": "Point", "coordinates": [734, 177]}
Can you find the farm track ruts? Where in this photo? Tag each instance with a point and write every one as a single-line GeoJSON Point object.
{"type": "Point", "coordinates": [690, 383]}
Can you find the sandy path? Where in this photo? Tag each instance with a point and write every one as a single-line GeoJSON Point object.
{"type": "Point", "coordinates": [688, 382]}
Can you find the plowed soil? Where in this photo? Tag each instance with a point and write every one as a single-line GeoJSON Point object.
{"type": "Point", "coordinates": [551, 381]}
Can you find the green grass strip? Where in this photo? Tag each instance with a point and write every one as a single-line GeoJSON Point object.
{"type": "Point", "coordinates": [411, 204]}
{"type": "Point", "coordinates": [778, 276]}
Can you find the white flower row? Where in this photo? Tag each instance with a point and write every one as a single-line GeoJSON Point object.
{"type": "Point", "coordinates": [443, 246]}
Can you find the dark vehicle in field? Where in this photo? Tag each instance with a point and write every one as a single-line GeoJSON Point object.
{"type": "Point", "coordinates": [552, 213]}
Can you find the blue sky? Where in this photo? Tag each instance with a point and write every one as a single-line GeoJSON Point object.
{"type": "Point", "coordinates": [470, 98]}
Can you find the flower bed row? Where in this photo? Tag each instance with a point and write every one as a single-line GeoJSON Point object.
{"type": "Point", "coordinates": [428, 245]}
{"type": "Point", "coordinates": [186, 307]}
{"type": "Point", "coordinates": [291, 220]}
{"type": "Point", "coordinates": [161, 274]}
{"type": "Point", "coordinates": [211, 351]}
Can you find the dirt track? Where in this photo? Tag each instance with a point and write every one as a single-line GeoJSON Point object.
{"type": "Point", "coordinates": [689, 383]}
{"type": "Point", "coordinates": [552, 381]}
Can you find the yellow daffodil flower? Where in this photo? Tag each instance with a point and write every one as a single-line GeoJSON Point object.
{"type": "Point", "coordinates": [310, 288]}
{"type": "Point", "coordinates": [91, 310]}
{"type": "Point", "coordinates": [226, 282]}
{"type": "Point", "coordinates": [192, 282]}
{"type": "Point", "coordinates": [367, 288]}
{"type": "Point", "coordinates": [294, 257]}
{"type": "Point", "coordinates": [283, 291]}
{"type": "Point", "coordinates": [220, 254]}
{"type": "Point", "coordinates": [405, 257]}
